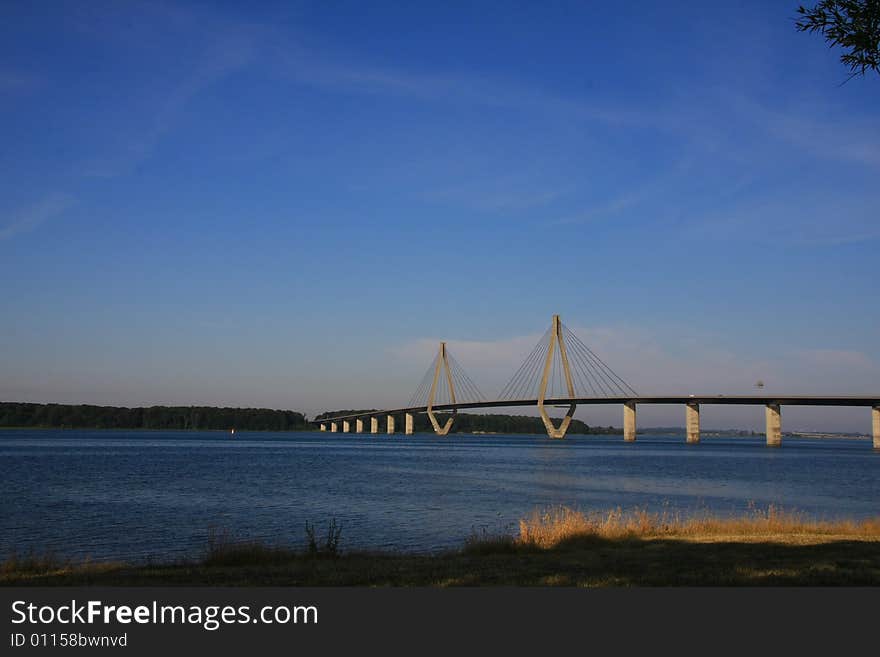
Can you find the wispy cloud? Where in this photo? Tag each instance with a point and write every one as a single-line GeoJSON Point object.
{"type": "Point", "coordinates": [478, 354]}
{"type": "Point", "coordinates": [706, 128]}
{"type": "Point", "coordinates": [710, 120]}
{"type": "Point", "coordinates": [634, 355]}
{"type": "Point", "coordinates": [814, 129]}
{"type": "Point", "coordinates": [14, 82]}
{"type": "Point", "coordinates": [32, 217]}
{"type": "Point", "coordinates": [806, 219]}
{"type": "Point", "coordinates": [708, 125]}
{"type": "Point", "coordinates": [653, 364]}
{"type": "Point", "coordinates": [605, 209]}
{"type": "Point", "coordinates": [837, 359]}
{"type": "Point", "coordinates": [504, 193]}
{"type": "Point", "coordinates": [717, 131]}
{"type": "Point", "coordinates": [348, 73]}
{"type": "Point", "coordinates": [224, 57]}
{"type": "Point", "coordinates": [634, 196]}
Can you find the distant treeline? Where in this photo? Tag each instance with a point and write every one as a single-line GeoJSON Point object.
{"type": "Point", "coordinates": [469, 423]}
{"type": "Point", "coordinates": [66, 416]}
{"type": "Point", "coordinates": [70, 416]}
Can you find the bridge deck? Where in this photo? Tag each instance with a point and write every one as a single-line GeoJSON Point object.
{"type": "Point", "coordinates": [745, 400]}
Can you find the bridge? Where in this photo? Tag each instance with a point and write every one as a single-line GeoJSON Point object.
{"type": "Point", "coordinates": [562, 371]}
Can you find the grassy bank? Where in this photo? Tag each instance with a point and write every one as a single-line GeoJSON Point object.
{"type": "Point", "coordinates": [556, 547]}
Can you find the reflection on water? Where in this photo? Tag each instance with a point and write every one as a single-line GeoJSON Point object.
{"type": "Point", "coordinates": [138, 495]}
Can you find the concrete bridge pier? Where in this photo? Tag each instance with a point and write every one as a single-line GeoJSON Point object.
{"type": "Point", "coordinates": [409, 424]}
{"type": "Point", "coordinates": [692, 423]}
{"type": "Point", "coordinates": [323, 427]}
{"type": "Point", "coordinates": [374, 424]}
{"type": "Point", "coordinates": [875, 421]}
{"type": "Point", "coordinates": [333, 427]}
{"type": "Point", "coordinates": [629, 422]}
{"type": "Point", "coordinates": [773, 417]}
{"type": "Point", "coordinates": [346, 426]}
{"type": "Point", "coordinates": [390, 421]}
{"type": "Point", "coordinates": [359, 425]}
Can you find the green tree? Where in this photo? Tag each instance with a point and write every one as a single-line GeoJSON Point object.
{"type": "Point", "coordinates": [853, 25]}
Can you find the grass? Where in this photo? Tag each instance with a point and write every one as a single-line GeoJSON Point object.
{"type": "Point", "coordinates": [548, 529]}
{"type": "Point", "coordinates": [558, 546]}
{"type": "Point", "coordinates": [17, 568]}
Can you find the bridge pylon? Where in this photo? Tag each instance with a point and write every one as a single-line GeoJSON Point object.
{"type": "Point", "coordinates": [562, 370]}
{"type": "Point", "coordinates": [557, 341]}
{"type": "Point", "coordinates": [442, 363]}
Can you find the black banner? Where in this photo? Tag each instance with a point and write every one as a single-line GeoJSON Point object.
{"type": "Point", "coordinates": [396, 621]}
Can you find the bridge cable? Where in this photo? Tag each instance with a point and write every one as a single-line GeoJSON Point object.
{"type": "Point", "coordinates": [421, 393]}
{"type": "Point", "coordinates": [584, 363]}
{"type": "Point", "coordinates": [518, 383]}
{"type": "Point", "coordinates": [513, 385]}
{"type": "Point", "coordinates": [531, 381]}
{"type": "Point", "coordinates": [606, 385]}
{"type": "Point", "coordinates": [614, 380]}
{"type": "Point", "coordinates": [623, 385]}
{"type": "Point", "coordinates": [470, 389]}
{"type": "Point", "coordinates": [585, 379]}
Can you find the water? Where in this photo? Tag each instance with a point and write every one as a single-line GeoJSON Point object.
{"type": "Point", "coordinates": [132, 495]}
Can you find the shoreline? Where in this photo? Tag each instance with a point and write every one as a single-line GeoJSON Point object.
{"type": "Point", "coordinates": [556, 547]}
{"type": "Point", "coordinates": [706, 434]}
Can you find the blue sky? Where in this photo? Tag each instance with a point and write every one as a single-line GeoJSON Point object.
{"type": "Point", "coordinates": [287, 205]}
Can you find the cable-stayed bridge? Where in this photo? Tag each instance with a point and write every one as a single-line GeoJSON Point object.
{"type": "Point", "coordinates": [562, 371]}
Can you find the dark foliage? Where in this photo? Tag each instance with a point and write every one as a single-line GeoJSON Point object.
{"type": "Point", "coordinates": [330, 546]}
{"type": "Point", "coordinates": [67, 416]}
{"type": "Point", "coordinates": [853, 25]}
{"type": "Point", "coordinates": [470, 423]}
{"type": "Point", "coordinates": [155, 417]}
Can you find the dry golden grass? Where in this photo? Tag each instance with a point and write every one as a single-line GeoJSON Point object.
{"type": "Point", "coordinates": [550, 528]}
{"type": "Point", "coordinates": [34, 565]}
